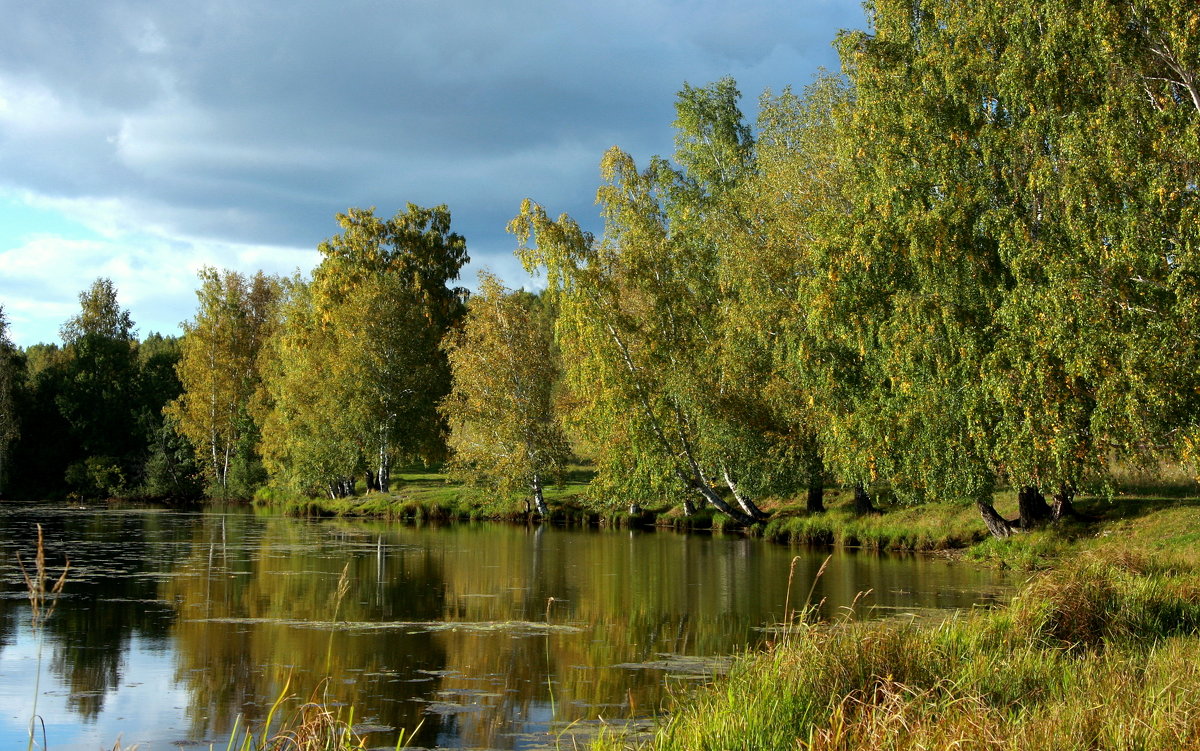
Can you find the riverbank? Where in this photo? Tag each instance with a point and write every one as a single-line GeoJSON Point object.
{"type": "Point", "coordinates": [930, 527]}
{"type": "Point", "coordinates": [1101, 650]}
{"type": "Point", "coordinates": [435, 496]}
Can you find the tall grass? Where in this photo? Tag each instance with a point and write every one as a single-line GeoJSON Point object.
{"type": "Point", "coordinates": [1101, 654]}
{"type": "Point", "coordinates": [315, 725]}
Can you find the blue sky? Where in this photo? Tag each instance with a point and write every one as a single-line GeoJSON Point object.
{"type": "Point", "coordinates": [143, 140]}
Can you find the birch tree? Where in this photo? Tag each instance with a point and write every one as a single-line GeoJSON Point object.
{"type": "Point", "coordinates": [382, 291]}
{"type": "Point", "coordinates": [780, 318]}
{"type": "Point", "coordinates": [219, 369]}
{"type": "Point", "coordinates": [915, 283]}
{"type": "Point", "coordinates": [503, 428]}
{"type": "Point", "coordinates": [356, 370]}
{"type": "Point", "coordinates": [307, 445]}
{"type": "Point", "coordinates": [1021, 240]}
{"type": "Point", "coordinates": [640, 311]}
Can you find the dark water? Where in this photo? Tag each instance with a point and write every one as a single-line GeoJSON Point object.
{"type": "Point", "coordinates": [477, 636]}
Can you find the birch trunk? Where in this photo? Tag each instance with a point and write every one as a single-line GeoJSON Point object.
{"type": "Point", "coordinates": [1064, 504]}
{"type": "Point", "coordinates": [815, 503]}
{"type": "Point", "coordinates": [384, 476]}
{"type": "Point", "coordinates": [745, 502]}
{"type": "Point", "coordinates": [539, 501]}
{"type": "Point", "coordinates": [716, 501]}
{"type": "Point", "coordinates": [997, 525]}
{"type": "Point", "coordinates": [225, 470]}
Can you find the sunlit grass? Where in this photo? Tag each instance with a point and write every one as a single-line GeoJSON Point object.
{"type": "Point", "coordinates": [430, 495]}
{"type": "Point", "coordinates": [931, 526]}
{"type": "Point", "coordinates": [1102, 653]}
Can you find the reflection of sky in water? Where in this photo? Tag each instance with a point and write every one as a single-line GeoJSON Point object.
{"type": "Point", "coordinates": [148, 704]}
{"type": "Point", "coordinates": [484, 635]}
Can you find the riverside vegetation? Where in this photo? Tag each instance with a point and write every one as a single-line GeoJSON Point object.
{"type": "Point", "coordinates": [962, 272]}
{"type": "Point", "coordinates": [1100, 651]}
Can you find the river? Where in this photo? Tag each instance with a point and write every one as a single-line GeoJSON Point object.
{"type": "Point", "coordinates": [475, 636]}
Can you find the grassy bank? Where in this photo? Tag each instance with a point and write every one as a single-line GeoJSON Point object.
{"type": "Point", "coordinates": [933, 526]}
{"type": "Point", "coordinates": [433, 496]}
{"type": "Point", "coordinates": [1099, 651]}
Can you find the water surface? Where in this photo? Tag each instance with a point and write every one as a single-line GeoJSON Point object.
{"type": "Point", "coordinates": [479, 636]}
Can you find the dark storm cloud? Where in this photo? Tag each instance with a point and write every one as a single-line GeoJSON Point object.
{"type": "Point", "coordinates": [254, 122]}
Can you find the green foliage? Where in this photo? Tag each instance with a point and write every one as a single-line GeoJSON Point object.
{"type": "Point", "coordinates": [354, 373]}
{"type": "Point", "coordinates": [504, 432]}
{"type": "Point", "coordinates": [170, 471]}
{"type": "Point", "coordinates": [639, 312]}
{"type": "Point", "coordinates": [97, 390]}
{"type": "Point", "coordinates": [967, 262]}
{"type": "Point", "coordinates": [98, 477]}
{"type": "Point", "coordinates": [218, 369]}
{"type": "Point", "coordinates": [9, 425]}
{"type": "Point", "coordinates": [100, 316]}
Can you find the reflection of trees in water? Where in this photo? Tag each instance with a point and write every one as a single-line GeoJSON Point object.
{"type": "Point", "coordinates": [284, 577]}
{"type": "Point", "coordinates": [250, 601]}
{"type": "Point", "coordinates": [639, 600]}
{"type": "Point", "coordinates": [110, 594]}
{"type": "Point", "coordinates": [12, 610]}
{"type": "Point", "coordinates": [628, 599]}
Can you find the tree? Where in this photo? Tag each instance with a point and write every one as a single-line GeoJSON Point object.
{"type": "Point", "coordinates": [641, 313]}
{"type": "Point", "coordinates": [1019, 242]}
{"type": "Point", "coordinates": [305, 440]}
{"type": "Point", "coordinates": [503, 429]}
{"type": "Point", "coordinates": [99, 394]}
{"type": "Point", "coordinates": [100, 315]}
{"type": "Point", "coordinates": [170, 469]}
{"type": "Point", "coordinates": [368, 329]}
{"type": "Point", "coordinates": [779, 319]}
{"type": "Point", "coordinates": [219, 369]}
{"type": "Point", "coordinates": [9, 424]}
{"type": "Point", "coordinates": [913, 282]}
{"type": "Point", "coordinates": [45, 444]}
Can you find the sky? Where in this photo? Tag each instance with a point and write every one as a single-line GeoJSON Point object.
{"type": "Point", "coordinates": [143, 140]}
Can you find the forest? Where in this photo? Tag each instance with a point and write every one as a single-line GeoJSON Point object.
{"type": "Point", "coordinates": [970, 260]}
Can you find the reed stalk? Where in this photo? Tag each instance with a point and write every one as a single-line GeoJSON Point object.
{"type": "Point", "coordinates": [40, 612]}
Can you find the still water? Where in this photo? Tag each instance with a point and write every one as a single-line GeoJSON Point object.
{"type": "Point", "coordinates": [172, 625]}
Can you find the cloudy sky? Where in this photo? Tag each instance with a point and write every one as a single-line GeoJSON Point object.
{"type": "Point", "coordinates": [141, 140]}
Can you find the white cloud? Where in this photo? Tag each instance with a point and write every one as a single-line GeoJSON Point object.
{"type": "Point", "coordinates": [155, 277]}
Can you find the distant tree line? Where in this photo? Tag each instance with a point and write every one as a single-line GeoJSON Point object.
{"type": "Point", "coordinates": [968, 261]}
{"type": "Point", "coordinates": [86, 418]}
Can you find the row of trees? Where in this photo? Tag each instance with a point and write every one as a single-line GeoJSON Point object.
{"type": "Point", "coordinates": [969, 260]}
{"type": "Point", "coordinates": [306, 383]}
{"type": "Point", "coordinates": [329, 378]}
{"type": "Point", "coordinates": [87, 417]}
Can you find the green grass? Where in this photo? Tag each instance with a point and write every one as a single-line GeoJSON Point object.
{"type": "Point", "coordinates": [932, 526]}
{"type": "Point", "coordinates": [430, 495]}
{"type": "Point", "coordinates": [1101, 653]}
